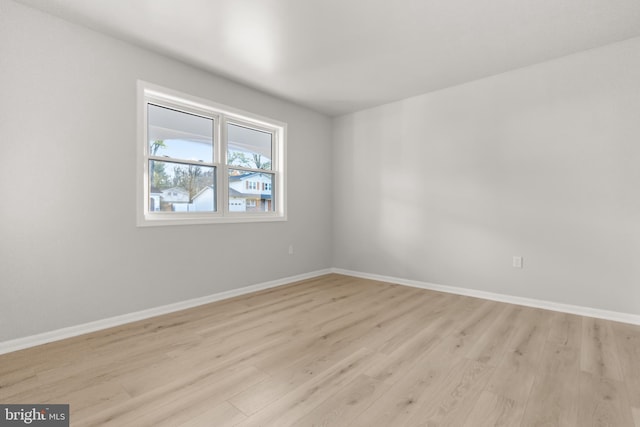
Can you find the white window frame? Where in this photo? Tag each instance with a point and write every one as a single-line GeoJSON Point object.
{"type": "Point", "coordinates": [149, 93]}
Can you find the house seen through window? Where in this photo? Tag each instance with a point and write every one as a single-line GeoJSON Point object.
{"type": "Point", "coordinates": [205, 164]}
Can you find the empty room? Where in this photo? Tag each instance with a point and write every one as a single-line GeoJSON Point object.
{"type": "Point", "coordinates": [320, 213]}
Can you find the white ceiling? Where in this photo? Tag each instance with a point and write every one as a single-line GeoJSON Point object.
{"type": "Point", "coordinates": [339, 56]}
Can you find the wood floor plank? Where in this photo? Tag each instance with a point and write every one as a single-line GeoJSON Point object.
{"type": "Point", "coordinates": [93, 399]}
{"type": "Point", "coordinates": [341, 408]}
{"type": "Point", "coordinates": [416, 387]}
{"type": "Point", "coordinates": [492, 410]}
{"type": "Point", "coordinates": [566, 329]}
{"type": "Point", "coordinates": [220, 415]}
{"type": "Point", "coordinates": [554, 398]}
{"type": "Point", "coordinates": [603, 402]}
{"type": "Point", "coordinates": [599, 354]}
{"type": "Point", "coordinates": [492, 345]}
{"type": "Point", "coordinates": [153, 376]}
{"type": "Point", "coordinates": [17, 381]}
{"type": "Point", "coordinates": [299, 371]}
{"type": "Point", "coordinates": [212, 352]}
{"type": "Point", "coordinates": [177, 401]}
{"type": "Point", "coordinates": [305, 398]}
{"type": "Point", "coordinates": [431, 309]}
{"type": "Point", "coordinates": [473, 326]}
{"type": "Point", "coordinates": [59, 383]}
{"type": "Point", "coordinates": [515, 373]}
{"type": "Point", "coordinates": [457, 392]}
{"type": "Point", "coordinates": [628, 345]}
{"type": "Point", "coordinates": [393, 365]}
{"type": "Point", "coordinates": [338, 350]}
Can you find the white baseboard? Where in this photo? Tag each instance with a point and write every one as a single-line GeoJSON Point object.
{"type": "Point", "coordinates": [633, 319]}
{"type": "Point", "coordinates": [72, 331]}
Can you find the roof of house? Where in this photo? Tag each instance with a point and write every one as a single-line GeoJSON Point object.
{"type": "Point", "coordinates": [245, 176]}
{"type": "Point", "coordinates": [235, 193]}
{"type": "Point", "coordinates": [176, 189]}
{"type": "Point", "coordinates": [201, 192]}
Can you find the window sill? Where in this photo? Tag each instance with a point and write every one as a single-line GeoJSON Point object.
{"type": "Point", "coordinates": [159, 221]}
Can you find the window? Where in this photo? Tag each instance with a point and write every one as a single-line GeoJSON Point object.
{"type": "Point", "coordinates": [201, 162]}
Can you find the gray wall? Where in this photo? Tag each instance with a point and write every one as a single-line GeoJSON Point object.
{"type": "Point", "coordinates": [542, 162]}
{"type": "Point", "coordinates": [445, 188]}
{"type": "Point", "coordinates": [70, 251]}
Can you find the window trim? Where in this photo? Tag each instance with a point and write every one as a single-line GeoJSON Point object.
{"type": "Point", "coordinates": [220, 113]}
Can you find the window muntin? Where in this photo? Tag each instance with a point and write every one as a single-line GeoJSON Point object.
{"type": "Point", "coordinates": [197, 153]}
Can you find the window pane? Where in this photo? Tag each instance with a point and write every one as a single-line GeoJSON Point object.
{"type": "Point", "coordinates": [176, 187]}
{"type": "Point", "coordinates": [250, 191]}
{"type": "Point", "coordinates": [179, 135]}
{"type": "Point", "coordinates": [249, 148]}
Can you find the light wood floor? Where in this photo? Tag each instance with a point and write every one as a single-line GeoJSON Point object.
{"type": "Point", "coordinates": [341, 351]}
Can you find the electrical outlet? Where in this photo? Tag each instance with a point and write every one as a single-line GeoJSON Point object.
{"type": "Point", "coordinates": [517, 262]}
{"type": "Point", "coordinates": [290, 249]}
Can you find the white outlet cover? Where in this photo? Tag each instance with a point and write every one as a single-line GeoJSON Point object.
{"type": "Point", "coordinates": [517, 262]}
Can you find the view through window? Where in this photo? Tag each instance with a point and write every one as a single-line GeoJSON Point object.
{"type": "Point", "coordinates": [205, 164]}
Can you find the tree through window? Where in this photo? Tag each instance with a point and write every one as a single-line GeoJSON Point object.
{"type": "Point", "coordinates": [205, 164]}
